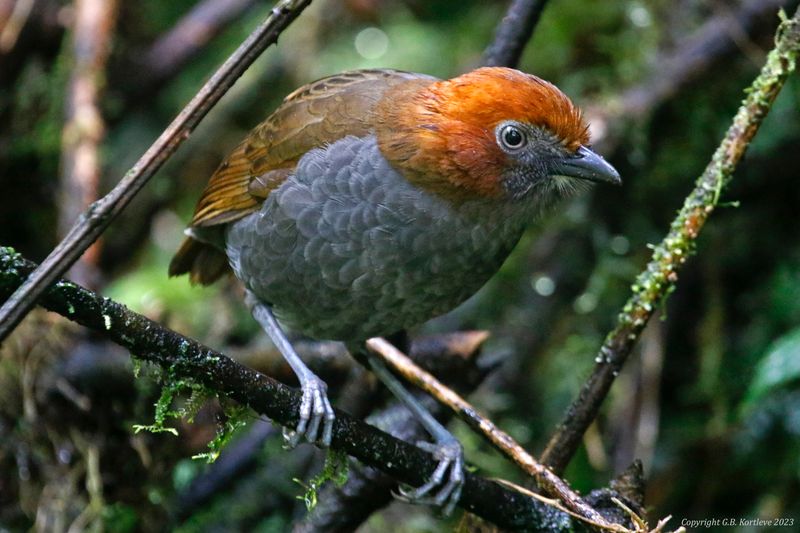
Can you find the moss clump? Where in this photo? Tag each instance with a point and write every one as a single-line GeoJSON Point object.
{"type": "Point", "coordinates": [335, 469]}
{"type": "Point", "coordinates": [235, 418]}
{"type": "Point", "coordinates": [235, 415]}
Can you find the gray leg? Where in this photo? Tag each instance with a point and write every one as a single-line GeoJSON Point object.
{"type": "Point", "coordinates": [315, 409]}
{"type": "Point", "coordinates": [446, 449]}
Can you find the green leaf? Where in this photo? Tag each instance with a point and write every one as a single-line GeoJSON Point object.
{"type": "Point", "coordinates": [780, 366]}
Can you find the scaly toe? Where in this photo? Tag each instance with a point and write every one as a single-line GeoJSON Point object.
{"type": "Point", "coordinates": [316, 417]}
{"type": "Point", "coordinates": [313, 428]}
{"type": "Point", "coordinates": [448, 478]}
{"type": "Point", "coordinates": [316, 413]}
{"type": "Point", "coordinates": [292, 437]}
{"type": "Point", "coordinates": [327, 425]}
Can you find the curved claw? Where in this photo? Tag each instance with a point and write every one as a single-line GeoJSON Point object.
{"type": "Point", "coordinates": [451, 459]}
{"type": "Point", "coordinates": [315, 411]}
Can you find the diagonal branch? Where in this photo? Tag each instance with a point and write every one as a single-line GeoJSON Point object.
{"type": "Point", "coordinates": [555, 486]}
{"type": "Point", "coordinates": [368, 490]}
{"type": "Point", "coordinates": [658, 279]}
{"type": "Point", "coordinates": [513, 33]}
{"type": "Point", "coordinates": [100, 214]}
{"type": "Point", "coordinates": [188, 359]}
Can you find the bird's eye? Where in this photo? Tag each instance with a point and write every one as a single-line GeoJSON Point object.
{"type": "Point", "coordinates": [512, 137]}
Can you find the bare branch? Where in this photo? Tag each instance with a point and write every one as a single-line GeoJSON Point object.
{"type": "Point", "coordinates": [97, 218]}
{"type": "Point", "coordinates": [513, 33]}
{"type": "Point", "coordinates": [715, 39]}
{"type": "Point", "coordinates": [658, 279]}
{"type": "Point", "coordinates": [367, 490]}
{"type": "Point", "coordinates": [501, 440]}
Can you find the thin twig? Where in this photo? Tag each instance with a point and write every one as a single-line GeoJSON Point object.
{"type": "Point", "coordinates": [341, 508]}
{"type": "Point", "coordinates": [367, 490]}
{"type": "Point", "coordinates": [84, 127]}
{"type": "Point", "coordinates": [95, 220]}
{"type": "Point", "coordinates": [513, 33]}
{"type": "Point", "coordinates": [658, 279]}
{"type": "Point", "coordinates": [501, 440]}
{"type": "Point", "coordinates": [188, 359]}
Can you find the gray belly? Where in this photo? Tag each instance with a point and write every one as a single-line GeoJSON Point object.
{"type": "Point", "coordinates": [347, 249]}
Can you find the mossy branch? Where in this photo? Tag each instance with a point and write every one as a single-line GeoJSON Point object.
{"type": "Point", "coordinates": [187, 359]}
{"type": "Point", "coordinates": [658, 279]}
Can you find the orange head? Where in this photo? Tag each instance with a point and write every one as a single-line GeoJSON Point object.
{"type": "Point", "coordinates": [492, 133]}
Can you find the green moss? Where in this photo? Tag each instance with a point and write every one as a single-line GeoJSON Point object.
{"type": "Point", "coordinates": [163, 412]}
{"type": "Point", "coordinates": [335, 469]}
{"type": "Point", "coordinates": [235, 417]}
{"type": "Point", "coordinates": [171, 388]}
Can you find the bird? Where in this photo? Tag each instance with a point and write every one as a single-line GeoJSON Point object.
{"type": "Point", "coordinates": [371, 201]}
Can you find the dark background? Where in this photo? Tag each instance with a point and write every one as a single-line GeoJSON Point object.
{"type": "Point", "coordinates": [710, 401]}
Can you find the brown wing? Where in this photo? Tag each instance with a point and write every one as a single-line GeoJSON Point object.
{"type": "Point", "coordinates": [312, 116]}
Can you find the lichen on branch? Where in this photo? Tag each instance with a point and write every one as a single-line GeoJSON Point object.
{"type": "Point", "coordinates": [659, 277]}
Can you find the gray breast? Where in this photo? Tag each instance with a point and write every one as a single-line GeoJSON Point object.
{"type": "Point", "coordinates": [347, 249]}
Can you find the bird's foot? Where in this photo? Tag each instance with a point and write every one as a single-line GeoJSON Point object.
{"type": "Point", "coordinates": [315, 412]}
{"type": "Point", "coordinates": [443, 489]}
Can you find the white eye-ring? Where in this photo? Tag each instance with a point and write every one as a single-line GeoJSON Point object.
{"type": "Point", "coordinates": [511, 137]}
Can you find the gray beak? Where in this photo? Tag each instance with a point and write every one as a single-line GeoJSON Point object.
{"type": "Point", "coordinates": [586, 165]}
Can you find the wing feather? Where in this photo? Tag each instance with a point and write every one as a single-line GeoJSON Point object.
{"type": "Point", "coordinates": [314, 115]}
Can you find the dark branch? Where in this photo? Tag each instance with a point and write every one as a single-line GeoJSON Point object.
{"type": "Point", "coordinates": [95, 220]}
{"type": "Point", "coordinates": [513, 33]}
{"type": "Point", "coordinates": [658, 279]}
{"type": "Point", "coordinates": [451, 354]}
{"type": "Point", "coordinates": [367, 489]}
{"type": "Point", "coordinates": [188, 359]}
{"type": "Point", "coordinates": [716, 39]}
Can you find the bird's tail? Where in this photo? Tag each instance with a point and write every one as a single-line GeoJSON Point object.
{"type": "Point", "coordinates": [204, 262]}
